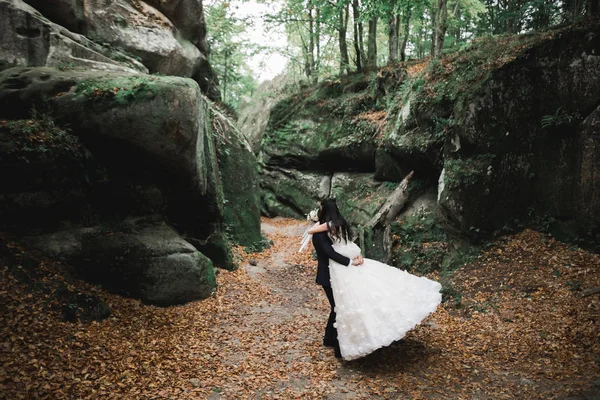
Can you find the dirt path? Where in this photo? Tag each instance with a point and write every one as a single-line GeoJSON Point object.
{"type": "Point", "coordinates": [446, 357]}
{"type": "Point", "coordinates": [522, 332]}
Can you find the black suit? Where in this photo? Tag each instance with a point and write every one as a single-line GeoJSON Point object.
{"type": "Point", "coordinates": [325, 251]}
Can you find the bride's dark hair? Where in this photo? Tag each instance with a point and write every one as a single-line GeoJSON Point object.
{"type": "Point", "coordinates": [336, 224]}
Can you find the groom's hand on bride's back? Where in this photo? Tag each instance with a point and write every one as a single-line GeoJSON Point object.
{"type": "Point", "coordinates": [357, 260]}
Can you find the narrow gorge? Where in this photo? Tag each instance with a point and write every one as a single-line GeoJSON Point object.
{"type": "Point", "coordinates": [149, 213]}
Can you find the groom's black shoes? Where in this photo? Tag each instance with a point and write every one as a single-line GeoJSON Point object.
{"type": "Point", "coordinates": [337, 352]}
{"type": "Point", "coordinates": [329, 342]}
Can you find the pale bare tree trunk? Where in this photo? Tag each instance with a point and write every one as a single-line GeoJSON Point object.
{"type": "Point", "coordinates": [311, 43]}
{"type": "Point", "coordinates": [393, 205]}
{"type": "Point", "coordinates": [393, 40]}
{"type": "Point", "coordinates": [318, 44]}
{"type": "Point", "coordinates": [342, 30]}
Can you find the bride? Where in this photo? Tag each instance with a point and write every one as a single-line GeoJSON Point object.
{"type": "Point", "coordinates": [375, 304]}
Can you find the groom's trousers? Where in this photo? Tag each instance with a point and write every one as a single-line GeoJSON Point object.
{"type": "Point", "coordinates": [330, 331]}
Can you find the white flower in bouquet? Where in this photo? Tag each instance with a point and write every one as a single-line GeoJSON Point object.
{"type": "Point", "coordinates": [313, 215]}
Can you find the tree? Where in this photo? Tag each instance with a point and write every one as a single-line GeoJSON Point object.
{"type": "Point", "coordinates": [228, 51]}
{"type": "Point", "coordinates": [319, 31]}
{"type": "Point", "coordinates": [344, 14]}
{"type": "Point", "coordinates": [359, 47]}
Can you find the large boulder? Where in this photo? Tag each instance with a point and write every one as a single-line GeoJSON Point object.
{"type": "Point", "coordinates": [254, 112]}
{"type": "Point", "coordinates": [144, 32]}
{"type": "Point", "coordinates": [292, 193]}
{"type": "Point", "coordinates": [144, 146]}
{"type": "Point", "coordinates": [188, 17]}
{"type": "Point", "coordinates": [167, 37]}
{"type": "Point", "coordinates": [161, 120]}
{"type": "Point", "coordinates": [324, 128]}
{"type": "Point", "coordinates": [29, 39]}
{"type": "Point", "coordinates": [238, 168]}
{"type": "Point", "coordinates": [49, 177]}
{"type": "Point", "coordinates": [138, 257]}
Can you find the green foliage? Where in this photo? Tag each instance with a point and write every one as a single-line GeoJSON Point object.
{"type": "Point", "coordinates": [66, 66]}
{"type": "Point", "coordinates": [422, 245]}
{"type": "Point", "coordinates": [229, 50]}
{"type": "Point", "coordinates": [39, 135]}
{"type": "Point", "coordinates": [123, 90]}
{"type": "Point", "coordinates": [422, 242]}
{"type": "Point", "coordinates": [468, 171]}
{"type": "Point", "coordinates": [443, 126]}
{"type": "Point", "coordinates": [257, 247]}
{"type": "Point", "coordinates": [559, 118]}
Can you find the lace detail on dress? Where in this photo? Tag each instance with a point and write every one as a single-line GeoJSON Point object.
{"type": "Point", "coordinates": [377, 304]}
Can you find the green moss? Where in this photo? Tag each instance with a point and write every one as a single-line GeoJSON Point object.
{"type": "Point", "coordinates": [467, 172]}
{"type": "Point", "coordinates": [123, 90]}
{"type": "Point", "coordinates": [271, 206]}
{"type": "Point", "coordinates": [422, 245]}
{"type": "Point", "coordinates": [325, 115]}
{"type": "Point", "coordinates": [39, 135]}
{"type": "Point", "coordinates": [360, 197]}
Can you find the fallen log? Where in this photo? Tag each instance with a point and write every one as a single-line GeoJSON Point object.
{"type": "Point", "coordinates": [392, 207]}
{"type": "Point", "coordinates": [375, 236]}
{"type": "Point", "coordinates": [590, 291]}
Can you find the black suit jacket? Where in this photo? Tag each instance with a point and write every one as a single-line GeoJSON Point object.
{"type": "Point", "coordinates": [323, 246]}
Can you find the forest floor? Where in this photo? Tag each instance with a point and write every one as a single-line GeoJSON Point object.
{"type": "Point", "coordinates": [522, 330]}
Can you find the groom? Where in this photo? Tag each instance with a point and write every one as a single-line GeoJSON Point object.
{"type": "Point", "coordinates": [323, 247]}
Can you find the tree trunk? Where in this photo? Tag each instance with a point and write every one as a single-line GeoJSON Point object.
{"type": "Point", "coordinates": [406, 33]}
{"type": "Point", "coordinates": [457, 32]}
{"type": "Point", "coordinates": [434, 30]}
{"type": "Point", "coordinates": [372, 44]}
{"type": "Point", "coordinates": [357, 35]}
{"type": "Point", "coordinates": [514, 21]}
{"type": "Point", "coordinates": [225, 77]}
{"type": "Point", "coordinates": [318, 44]}
{"type": "Point", "coordinates": [573, 9]}
{"type": "Point", "coordinates": [342, 29]}
{"type": "Point", "coordinates": [441, 27]}
{"type": "Point", "coordinates": [593, 8]}
{"type": "Point", "coordinates": [393, 40]}
{"type": "Point", "coordinates": [311, 43]}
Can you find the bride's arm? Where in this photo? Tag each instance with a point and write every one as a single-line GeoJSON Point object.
{"type": "Point", "coordinates": [318, 228]}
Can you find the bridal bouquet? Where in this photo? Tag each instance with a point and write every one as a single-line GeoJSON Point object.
{"type": "Point", "coordinates": [314, 217]}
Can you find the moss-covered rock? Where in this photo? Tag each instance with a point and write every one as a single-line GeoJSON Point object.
{"type": "Point", "coordinates": [328, 127]}
{"type": "Point", "coordinates": [504, 124]}
{"type": "Point", "coordinates": [359, 196]}
{"type": "Point", "coordinates": [238, 168]}
{"type": "Point", "coordinates": [138, 145]}
{"type": "Point", "coordinates": [29, 39]}
{"type": "Point", "coordinates": [502, 118]}
{"type": "Point", "coordinates": [136, 257]}
{"type": "Point", "coordinates": [292, 193]}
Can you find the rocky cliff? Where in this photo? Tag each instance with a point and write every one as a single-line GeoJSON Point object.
{"type": "Point", "coordinates": [154, 36]}
{"type": "Point", "coordinates": [121, 174]}
{"type": "Point", "coordinates": [504, 132]}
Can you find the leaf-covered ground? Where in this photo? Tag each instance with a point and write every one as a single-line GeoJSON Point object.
{"type": "Point", "coordinates": [523, 331]}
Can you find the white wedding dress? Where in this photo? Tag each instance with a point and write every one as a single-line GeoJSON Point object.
{"type": "Point", "coordinates": [376, 304]}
